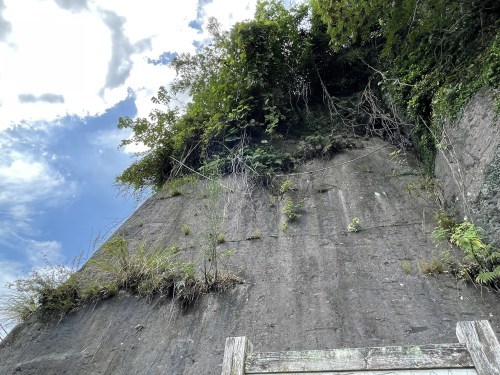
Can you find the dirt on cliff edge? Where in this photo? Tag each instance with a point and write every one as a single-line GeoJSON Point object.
{"type": "Point", "coordinates": [314, 285]}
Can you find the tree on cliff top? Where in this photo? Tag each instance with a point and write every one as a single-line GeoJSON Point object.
{"type": "Point", "coordinates": [262, 80]}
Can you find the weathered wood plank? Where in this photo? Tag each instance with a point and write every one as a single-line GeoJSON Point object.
{"type": "Point", "coordinates": [235, 354]}
{"type": "Point", "coordinates": [456, 371]}
{"type": "Point", "coordinates": [445, 356]}
{"type": "Point", "coordinates": [482, 344]}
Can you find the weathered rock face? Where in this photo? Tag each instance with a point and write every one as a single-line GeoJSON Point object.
{"type": "Point", "coordinates": [313, 286]}
{"type": "Point", "coordinates": [468, 165]}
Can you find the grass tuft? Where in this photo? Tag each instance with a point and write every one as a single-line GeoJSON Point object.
{"type": "Point", "coordinates": [431, 267]}
{"type": "Point", "coordinates": [406, 267]}
{"type": "Point", "coordinates": [186, 229]}
{"type": "Point", "coordinates": [147, 272]}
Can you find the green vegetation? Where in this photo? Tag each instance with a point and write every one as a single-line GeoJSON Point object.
{"type": "Point", "coordinates": [256, 235]}
{"type": "Point", "coordinates": [291, 209]}
{"type": "Point", "coordinates": [406, 267]}
{"type": "Point", "coordinates": [39, 291]}
{"type": "Point", "coordinates": [179, 185]}
{"type": "Point", "coordinates": [266, 79]}
{"type": "Point", "coordinates": [221, 238]}
{"type": "Point", "coordinates": [354, 225]}
{"type": "Point", "coordinates": [148, 272]}
{"type": "Point", "coordinates": [286, 186]}
{"type": "Point", "coordinates": [186, 229]}
{"type": "Point", "coordinates": [429, 56]}
{"type": "Point", "coordinates": [317, 72]}
{"type": "Point", "coordinates": [143, 271]}
{"type": "Point", "coordinates": [431, 267]}
{"type": "Point", "coordinates": [482, 260]}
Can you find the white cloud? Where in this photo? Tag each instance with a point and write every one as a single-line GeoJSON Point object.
{"type": "Point", "coordinates": [24, 180]}
{"type": "Point", "coordinates": [51, 51]}
{"type": "Point", "coordinates": [227, 14]}
{"type": "Point", "coordinates": [28, 183]}
{"type": "Point", "coordinates": [107, 139]}
{"type": "Point", "coordinates": [80, 57]}
{"type": "Point", "coordinates": [44, 253]}
{"type": "Point", "coordinates": [10, 272]}
{"type": "Point", "coordinates": [21, 171]}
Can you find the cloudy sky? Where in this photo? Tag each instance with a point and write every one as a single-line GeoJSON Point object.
{"type": "Point", "coordinates": [68, 70]}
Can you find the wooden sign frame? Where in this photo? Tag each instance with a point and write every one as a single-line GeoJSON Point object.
{"type": "Point", "coordinates": [478, 352]}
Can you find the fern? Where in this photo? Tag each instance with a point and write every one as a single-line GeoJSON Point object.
{"type": "Point", "coordinates": [493, 257]}
{"type": "Point", "coordinates": [485, 267]}
{"type": "Point", "coordinates": [467, 237]}
{"type": "Point", "coordinates": [488, 277]}
{"type": "Point", "coordinates": [441, 234]}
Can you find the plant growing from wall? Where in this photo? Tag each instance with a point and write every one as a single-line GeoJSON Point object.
{"type": "Point", "coordinates": [144, 270]}
{"type": "Point", "coordinates": [355, 225]}
{"type": "Point", "coordinates": [431, 267]}
{"type": "Point", "coordinates": [484, 258]}
{"type": "Point", "coordinates": [180, 185]}
{"type": "Point", "coordinates": [406, 267]}
{"type": "Point", "coordinates": [256, 235]}
{"type": "Point", "coordinates": [291, 209]}
{"type": "Point", "coordinates": [211, 200]}
{"type": "Point", "coordinates": [43, 291]}
{"type": "Point", "coordinates": [213, 207]}
{"type": "Point", "coordinates": [147, 271]}
{"type": "Point", "coordinates": [286, 186]}
{"type": "Point", "coordinates": [186, 229]}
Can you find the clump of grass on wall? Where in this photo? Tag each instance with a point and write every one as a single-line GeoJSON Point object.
{"type": "Point", "coordinates": [145, 271]}
{"type": "Point", "coordinates": [186, 229]}
{"type": "Point", "coordinates": [49, 289]}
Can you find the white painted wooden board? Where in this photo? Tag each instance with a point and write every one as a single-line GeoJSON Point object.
{"type": "Point", "coordinates": [400, 372]}
{"type": "Point", "coordinates": [482, 344]}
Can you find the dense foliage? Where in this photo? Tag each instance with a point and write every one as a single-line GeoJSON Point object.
{"type": "Point", "coordinates": [313, 70]}
{"type": "Point", "coordinates": [481, 260]}
{"type": "Point", "coordinates": [432, 55]}
{"type": "Point", "coordinates": [249, 87]}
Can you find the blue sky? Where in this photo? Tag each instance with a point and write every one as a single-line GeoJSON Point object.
{"type": "Point", "coordinates": [68, 70]}
{"type": "Point", "coordinates": [65, 196]}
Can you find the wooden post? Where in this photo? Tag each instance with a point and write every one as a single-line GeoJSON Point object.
{"type": "Point", "coordinates": [235, 353]}
{"type": "Point", "coordinates": [482, 344]}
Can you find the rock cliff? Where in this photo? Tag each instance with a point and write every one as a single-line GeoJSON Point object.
{"type": "Point", "coordinates": [314, 285]}
{"type": "Point", "coordinates": [468, 165]}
